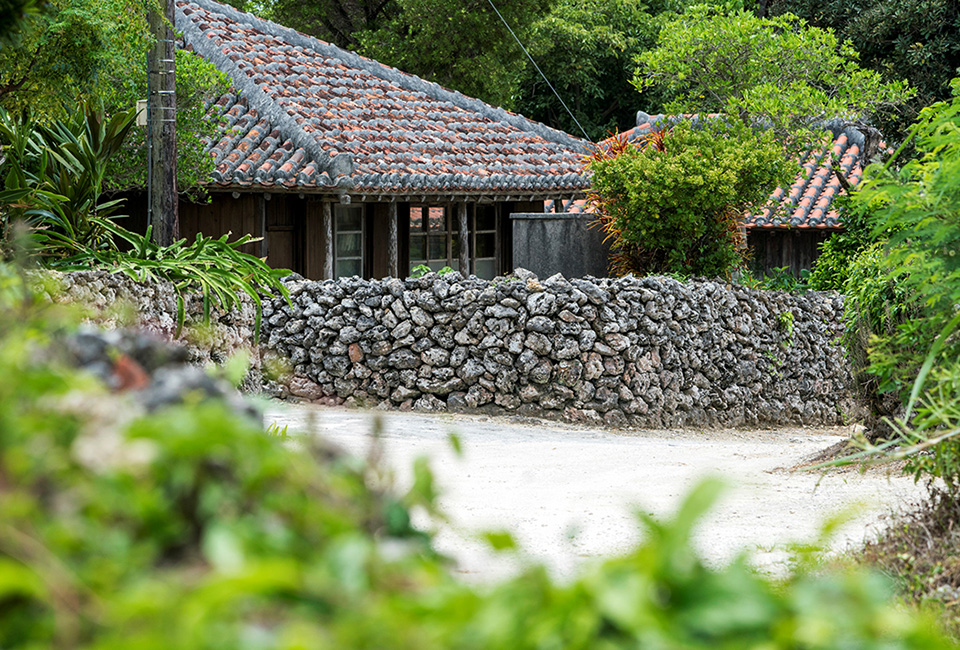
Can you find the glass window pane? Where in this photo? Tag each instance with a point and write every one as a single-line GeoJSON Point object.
{"type": "Point", "coordinates": [418, 247]}
{"type": "Point", "coordinates": [438, 247]}
{"type": "Point", "coordinates": [486, 269]}
{"type": "Point", "coordinates": [438, 219]}
{"type": "Point", "coordinates": [486, 245]}
{"type": "Point", "coordinates": [349, 245]}
{"type": "Point", "coordinates": [455, 246]}
{"type": "Point", "coordinates": [348, 218]}
{"type": "Point", "coordinates": [346, 268]}
{"type": "Point", "coordinates": [416, 219]}
{"type": "Point", "coordinates": [486, 218]}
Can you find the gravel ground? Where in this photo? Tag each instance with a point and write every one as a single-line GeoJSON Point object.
{"type": "Point", "coordinates": [567, 493]}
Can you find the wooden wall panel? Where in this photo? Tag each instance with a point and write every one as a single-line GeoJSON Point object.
{"type": "Point", "coordinates": [314, 246]}
{"type": "Point", "coordinates": [285, 236]}
{"type": "Point", "coordinates": [247, 206]}
{"type": "Point", "coordinates": [282, 254]}
{"type": "Point", "coordinates": [527, 206]}
{"type": "Point", "coordinates": [189, 220]}
{"type": "Point", "coordinates": [795, 250]}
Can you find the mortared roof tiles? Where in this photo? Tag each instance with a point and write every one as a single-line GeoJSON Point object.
{"type": "Point", "coordinates": [305, 114]}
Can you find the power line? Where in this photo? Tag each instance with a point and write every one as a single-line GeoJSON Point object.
{"type": "Point", "coordinates": [550, 85]}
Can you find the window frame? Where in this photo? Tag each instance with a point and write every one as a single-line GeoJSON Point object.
{"type": "Point", "coordinates": [338, 211]}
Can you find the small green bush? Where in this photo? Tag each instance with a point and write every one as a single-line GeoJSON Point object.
{"type": "Point", "coordinates": [53, 177]}
{"type": "Point", "coordinates": [778, 279]}
{"type": "Point", "coordinates": [863, 228]}
{"type": "Point", "coordinates": [673, 203]}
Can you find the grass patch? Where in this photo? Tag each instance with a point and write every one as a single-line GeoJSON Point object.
{"type": "Point", "coordinates": [919, 551]}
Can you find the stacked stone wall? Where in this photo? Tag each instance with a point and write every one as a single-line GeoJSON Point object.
{"type": "Point", "coordinates": [632, 351]}
{"type": "Point", "coordinates": [115, 300]}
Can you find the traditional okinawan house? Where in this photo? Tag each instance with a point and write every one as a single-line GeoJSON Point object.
{"type": "Point", "coordinates": [349, 167]}
{"type": "Point", "coordinates": [788, 231]}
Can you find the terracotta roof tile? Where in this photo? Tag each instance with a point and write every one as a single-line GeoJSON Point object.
{"type": "Point", "coordinates": [342, 120]}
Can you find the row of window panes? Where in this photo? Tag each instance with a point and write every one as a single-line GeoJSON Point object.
{"type": "Point", "coordinates": [348, 238]}
{"type": "Point", "coordinates": [437, 249]}
{"type": "Point", "coordinates": [441, 247]}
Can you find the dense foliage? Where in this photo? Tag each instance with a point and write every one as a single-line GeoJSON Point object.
{"type": "Point", "coordinates": [193, 528]}
{"type": "Point", "coordinates": [916, 40]}
{"type": "Point", "coordinates": [459, 45]}
{"type": "Point", "coordinates": [12, 13]}
{"type": "Point", "coordinates": [78, 53]}
{"type": "Point", "coordinates": [73, 50]}
{"type": "Point", "coordinates": [776, 72]}
{"type": "Point", "coordinates": [913, 286]}
{"type": "Point", "coordinates": [53, 183]}
{"type": "Point", "coordinates": [53, 177]}
{"type": "Point", "coordinates": [587, 51]}
{"type": "Point", "coordinates": [673, 203]}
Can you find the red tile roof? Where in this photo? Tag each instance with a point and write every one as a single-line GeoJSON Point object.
{"type": "Point", "coordinates": [808, 203]}
{"type": "Point", "coordinates": [309, 115]}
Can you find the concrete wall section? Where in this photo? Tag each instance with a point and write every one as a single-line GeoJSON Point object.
{"type": "Point", "coordinates": [549, 243]}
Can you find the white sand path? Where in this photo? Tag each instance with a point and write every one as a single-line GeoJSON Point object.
{"type": "Point", "coordinates": [567, 493]}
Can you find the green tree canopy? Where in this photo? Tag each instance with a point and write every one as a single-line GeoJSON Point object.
{"type": "Point", "coordinates": [335, 21]}
{"type": "Point", "coordinates": [93, 52]}
{"type": "Point", "coordinates": [12, 12]}
{"type": "Point", "coordinates": [776, 72]}
{"type": "Point", "coordinates": [916, 40]}
{"type": "Point", "coordinates": [73, 50]}
{"type": "Point", "coordinates": [462, 45]}
{"type": "Point", "coordinates": [587, 48]}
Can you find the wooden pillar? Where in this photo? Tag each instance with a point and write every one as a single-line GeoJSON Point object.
{"type": "Point", "coordinates": [162, 126]}
{"type": "Point", "coordinates": [327, 240]}
{"type": "Point", "coordinates": [464, 239]}
{"type": "Point", "coordinates": [393, 242]}
{"type": "Point", "coordinates": [261, 218]}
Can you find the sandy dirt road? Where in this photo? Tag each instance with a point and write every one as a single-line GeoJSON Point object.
{"type": "Point", "coordinates": [567, 493]}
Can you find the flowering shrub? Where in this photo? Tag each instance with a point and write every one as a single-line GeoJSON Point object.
{"type": "Point", "coordinates": [673, 202]}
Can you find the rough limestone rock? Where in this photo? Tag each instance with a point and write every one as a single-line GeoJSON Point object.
{"type": "Point", "coordinates": [113, 300]}
{"type": "Point", "coordinates": [649, 352]}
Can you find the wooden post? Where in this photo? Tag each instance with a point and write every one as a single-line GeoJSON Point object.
{"type": "Point", "coordinates": [393, 242]}
{"type": "Point", "coordinates": [464, 239]}
{"type": "Point", "coordinates": [327, 240]}
{"type": "Point", "coordinates": [261, 217]}
{"type": "Point", "coordinates": [162, 126]}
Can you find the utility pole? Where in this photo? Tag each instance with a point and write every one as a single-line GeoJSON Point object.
{"type": "Point", "coordinates": [162, 128]}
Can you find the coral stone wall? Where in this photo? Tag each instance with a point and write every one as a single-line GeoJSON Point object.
{"type": "Point", "coordinates": [115, 300]}
{"type": "Point", "coordinates": [639, 351]}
